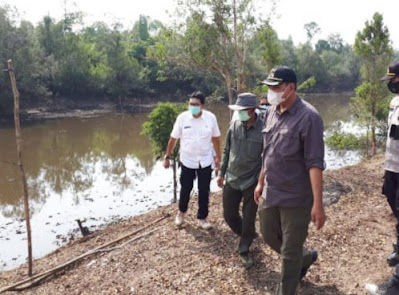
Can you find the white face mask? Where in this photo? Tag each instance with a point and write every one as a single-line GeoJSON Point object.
{"type": "Point", "coordinates": [275, 98]}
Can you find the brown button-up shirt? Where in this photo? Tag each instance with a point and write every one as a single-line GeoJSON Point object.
{"type": "Point", "coordinates": [293, 143]}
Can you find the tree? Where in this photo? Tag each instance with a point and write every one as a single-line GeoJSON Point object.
{"type": "Point", "coordinates": [290, 54]}
{"type": "Point", "coordinates": [214, 38]}
{"type": "Point", "coordinates": [310, 65]}
{"type": "Point", "coordinates": [311, 29]}
{"type": "Point", "coordinates": [374, 48]}
{"type": "Point", "coordinates": [270, 46]}
{"type": "Point", "coordinates": [158, 128]}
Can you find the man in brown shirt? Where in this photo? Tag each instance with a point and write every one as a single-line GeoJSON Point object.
{"type": "Point", "coordinates": [289, 190]}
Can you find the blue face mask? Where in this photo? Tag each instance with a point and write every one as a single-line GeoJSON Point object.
{"type": "Point", "coordinates": [264, 108]}
{"type": "Point", "coordinates": [243, 116]}
{"type": "Point", "coordinates": [194, 110]}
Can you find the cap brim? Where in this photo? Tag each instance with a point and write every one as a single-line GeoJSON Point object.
{"type": "Point", "coordinates": [271, 82]}
{"type": "Point", "coordinates": [235, 107]}
{"type": "Point", "coordinates": [386, 78]}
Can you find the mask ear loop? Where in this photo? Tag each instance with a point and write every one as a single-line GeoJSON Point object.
{"type": "Point", "coordinates": [285, 97]}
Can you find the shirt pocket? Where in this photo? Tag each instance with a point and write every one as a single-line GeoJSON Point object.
{"type": "Point", "coordinates": [188, 134]}
{"type": "Point", "coordinates": [288, 143]}
{"type": "Point", "coordinates": [205, 133]}
{"type": "Point", "coordinates": [251, 147]}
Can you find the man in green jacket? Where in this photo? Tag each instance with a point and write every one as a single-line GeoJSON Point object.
{"type": "Point", "coordinates": [240, 169]}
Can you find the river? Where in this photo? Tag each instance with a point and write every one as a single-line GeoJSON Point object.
{"type": "Point", "coordinates": [100, 170]}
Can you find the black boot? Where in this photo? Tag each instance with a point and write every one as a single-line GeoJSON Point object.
{"type": "Point", "coordinates": [393, 258]}
{"type": "Point", "coordinates": [387, 288]}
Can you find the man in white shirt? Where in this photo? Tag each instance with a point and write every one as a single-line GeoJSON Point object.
{"type": "Point", "coordinates": [199, 136]}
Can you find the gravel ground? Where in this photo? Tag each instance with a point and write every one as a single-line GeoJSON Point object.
{"type": "Point", "coordinates": [157, 258]}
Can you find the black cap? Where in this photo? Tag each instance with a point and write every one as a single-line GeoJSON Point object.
{"type": "Point", "coordinates": [280, 75]}
{"type": "Point", "coordinates": [392, 71]}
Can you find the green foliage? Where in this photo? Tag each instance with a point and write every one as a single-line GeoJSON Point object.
{"type": "Point", "coordinates": [221, 47]}
{"type": "Point", "coordinates": [160, 125]}
{"type": "Point", "coordinates": [309, 83]}
{"type": "Point", "coordinates": [270, 46]}
{"type": "Point", "coordinates": [373, 46]}
{"type": "Point", "coordinates": [344, 141]}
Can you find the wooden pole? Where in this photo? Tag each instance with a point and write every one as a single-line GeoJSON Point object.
{"type": "Point", "coordinates": [18, 137]}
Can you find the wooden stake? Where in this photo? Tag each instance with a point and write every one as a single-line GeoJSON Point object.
{"type": "Point", "coordinates": [18, 137]}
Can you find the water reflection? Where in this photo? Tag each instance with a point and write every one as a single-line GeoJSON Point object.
{"type": "Point", "coordinates": [96, 169]}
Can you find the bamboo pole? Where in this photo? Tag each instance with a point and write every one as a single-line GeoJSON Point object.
{"type": "Point", "coordinates": [39, 277]}
{"type": "Point", "coordinates": [18, 137]}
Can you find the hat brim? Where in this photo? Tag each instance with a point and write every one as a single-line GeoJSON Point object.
{"type": "Point", "coordinates": [271, 82]}
{"type": "Point", "coordinates": [235, 107]}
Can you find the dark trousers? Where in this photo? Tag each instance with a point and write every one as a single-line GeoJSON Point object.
{"type": "Point", "coordinates": [243, 226]}
{"type": "Point", "coordinates": [390, 189]}
{"type": "Point", "coordinates": [285, 231]}
{"type": "Point", "coordinates": [187, 177]}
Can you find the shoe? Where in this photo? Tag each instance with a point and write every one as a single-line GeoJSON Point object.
{"type": "Point", "coordinates": [386, 288]}
{"type": "Point", "coordinates": [204, 224]}
{"type": "Point", "coordinates": [179, 220]}
{"type": "Point", "coordinates": [393, 258]}
{"type": "Point", "coordinates": [246, 260]}
{"type": "Point", "coordinates": [304, 270]}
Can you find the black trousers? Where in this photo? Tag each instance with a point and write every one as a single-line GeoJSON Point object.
{"type": "Point", "coordinates": [243, 226]}
{"type": "Point", "coordinates": [187, 177]}
{"type": "Point", "coordinates": [390, 189]}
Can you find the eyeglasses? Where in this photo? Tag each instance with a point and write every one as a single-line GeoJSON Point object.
{"type": "Point", "coordinates": [264, 104]}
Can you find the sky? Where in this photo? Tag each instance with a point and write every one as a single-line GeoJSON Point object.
{"type": "Point", "coordinates": [345, 17]}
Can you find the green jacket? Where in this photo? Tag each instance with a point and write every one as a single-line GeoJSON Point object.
{"type": "Point", "coordinates": [242, 154]}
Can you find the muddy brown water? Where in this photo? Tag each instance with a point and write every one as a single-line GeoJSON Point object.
{"type": "Point", "coordinates": [99, 170]}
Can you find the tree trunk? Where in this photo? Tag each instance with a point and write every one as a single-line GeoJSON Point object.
{"type": "Point", "coordinates": [120, 102]}
{"type": "Point", "coordinates": [373, 142]}
{"type": "Point", "coordinates": [230, 93]}
{"type": "Point", "coordinates": [373, 139]}
{"type": "Point", "coordinates": [18, 137]}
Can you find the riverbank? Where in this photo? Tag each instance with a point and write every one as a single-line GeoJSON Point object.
{"type": "Point", "coordinates": [83, 110]}
{"type": "Point", "coordinates": [161, 259]}
{"type": "Point", "coordinates": [77, 108]}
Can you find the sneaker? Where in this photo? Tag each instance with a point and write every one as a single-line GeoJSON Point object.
{"type": "Point", "coordinates": [246, 260]}
{"type": "Point", "coordinates": [393, 258]}
{"type": "Point", "coordinates": [179, 220]}
{"type": "Point", "coordinates": [205, 224]}
{"type": "Point", "coordinates": [304, 270]}
{"type": "Point", "coordinates": [386, 288]}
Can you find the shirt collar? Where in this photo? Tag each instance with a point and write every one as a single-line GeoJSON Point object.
{"type": "Point", "coordinates": [294, 107]}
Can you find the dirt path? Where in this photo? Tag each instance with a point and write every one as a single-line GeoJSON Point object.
{"type": "Point", "coordinates": [352, 247]}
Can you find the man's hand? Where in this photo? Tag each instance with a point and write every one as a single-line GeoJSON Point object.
{"type": "Point", "coordinates": [258, 193]}
{"type": "Point", "coordinates": [318, 215]}
{"type": "Point", "coordinates": [220, 181]}
{"type": "Point", "coordinates": [166, 162]}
